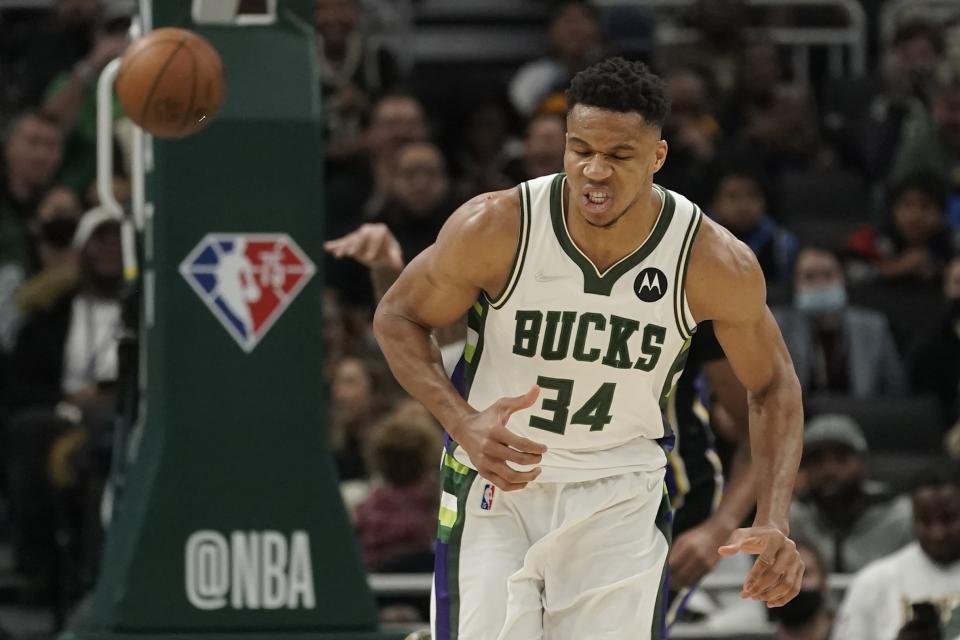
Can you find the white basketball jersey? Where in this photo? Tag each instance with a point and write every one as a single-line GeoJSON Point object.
{"type": "Point", "coordinates": [605, 348]}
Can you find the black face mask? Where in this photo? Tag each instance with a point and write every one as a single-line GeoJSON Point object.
{"type": "Point", "coordinates": [59, 231]}
{"type": "Point", "coordinates": [800, 610]}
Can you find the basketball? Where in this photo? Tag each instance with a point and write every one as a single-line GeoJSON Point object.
{"type": "Point", "coordinates": [171, 82]}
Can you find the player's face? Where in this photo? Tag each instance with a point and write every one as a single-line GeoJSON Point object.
{"type": "Point", "coordinates": [936, 522]}
{"type": "Point", "coordinates": [610, 159]}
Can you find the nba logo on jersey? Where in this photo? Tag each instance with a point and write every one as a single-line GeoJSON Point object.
{"type": "Point", "coordinates": [486, 500]}
{"type": "Point", "coordinates": [247, 280]}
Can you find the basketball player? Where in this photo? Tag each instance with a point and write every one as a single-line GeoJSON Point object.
{"type": "Point", "coordinates": [584, 288]}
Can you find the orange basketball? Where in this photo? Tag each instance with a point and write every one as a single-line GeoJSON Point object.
{"type": "Point", "coordinates": [171, 82]}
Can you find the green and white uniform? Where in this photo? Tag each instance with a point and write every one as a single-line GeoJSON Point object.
{"type": "Point", "coordinates": [606, 349]}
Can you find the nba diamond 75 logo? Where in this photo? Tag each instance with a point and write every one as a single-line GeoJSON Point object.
{"type": "Point", "coordinates": [247, 280]}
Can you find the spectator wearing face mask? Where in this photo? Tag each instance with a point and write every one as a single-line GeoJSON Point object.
{"type": "Point", "coordinates": [52, 229]}
{"type": "Point", "coordinates": [809, 615]}
{"type": "Point", "coordinates": [836, 348]}
{"type": "Point", "coordinates": [63, 371]}
{"type": "Point", "coordinates": [849, 519]}
{"type": "Point", "coordinates": [881, 599]}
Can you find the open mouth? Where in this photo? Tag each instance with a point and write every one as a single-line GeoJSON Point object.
{"type": "Point", "coordinates": [596, 201]}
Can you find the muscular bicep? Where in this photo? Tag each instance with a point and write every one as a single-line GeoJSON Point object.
{"type": "Point", "coordinates": [428, 294]}
{"type": "Point", "coordinates": [755, 349]}
{"type": "Point", "coordinates": [726, 285]}
{"type": "Point", "coordinates": [473, 253]}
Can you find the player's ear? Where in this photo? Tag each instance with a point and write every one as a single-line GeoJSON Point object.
{"type": "Point", "coordinates": [661, 155]}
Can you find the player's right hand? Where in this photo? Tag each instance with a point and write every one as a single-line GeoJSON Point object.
{"type": "Point", "coordinates": [490, 444]}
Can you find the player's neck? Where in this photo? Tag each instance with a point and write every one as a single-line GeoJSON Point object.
{"type": "Point", "coordinates": [605, 246]}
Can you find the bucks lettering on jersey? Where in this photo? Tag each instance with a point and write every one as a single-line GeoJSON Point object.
{"type": "Point", "coordinates": [605, 348]}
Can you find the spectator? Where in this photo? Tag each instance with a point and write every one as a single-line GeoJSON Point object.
{"type": "Point", "coordinates": [396, 120]}
{"type": "Point", "coordinates": [935, 362]}
{"type": "Point", "coordinates": [397, 522]}
{"type": "Point", "coordinates": [915, 245]}
{"type": "Point", "coordinates": [71, 99]}
{"type": "Point", "coordinates": [63, 42]}
{"type": "Point", "coordinates": [932, 142]}
{"type": "Point", "coordinates": [361, 393]}
{"type": "Point", "coordinates": [353, 73]}
{"type": "Point", "coordinates": [837, 348]}
{"type": "Point", "coordinates": [786, 136]}
{"type": "Point", "coordinates": [692, 132]}
{"type": "Point", "coordinates": [809, 615]}
{"type": "Point", "coordinates": [64, 367]}
{"type": "Point", "coordinates": [866, 118]}
{"type": "Point", "coordinates": [928, 570]}
{"type": "Point", "coordinates": [67, 351]}
{"type": "Point", "coordinates": [359, 194]}
{"type": "Point", "coordinates": [759, 73]}
{"type": "Point", "coordinates": [33, 150]}
{"type": "Point", "coordinates": [739, 203]}
{"type": "Point", "coordinates": [575, 44]}
{"type": "Point", "coordinates": [485, 151]}
{"type": "Point", "coordinates": [720, 25]}
{"type": "Point", "coordinates": [52, 229]}
{"type": "Point", "coordinates": [850, 520]}
{"type": "Point", "coordinates": [420, 201]}
{"type": "Point", "coordinates": [543, 148]}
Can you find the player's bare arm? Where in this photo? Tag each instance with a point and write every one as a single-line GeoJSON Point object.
{"type": "Point", "coordinates": [472, 254]}
{"type": "Point", "coordinates": [725, 284]}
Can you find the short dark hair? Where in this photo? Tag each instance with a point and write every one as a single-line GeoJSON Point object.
{"type": "Point", "coordinates": [925, 182]}
{"type": "Point", "coordinates": [40, 115]}
{"type": "Point", "coordinates": [584, 5]}
{"type": "Point", "coordinates": [616, 84]}
{"type": "Point", "coordinates": [919, 28]}
{"type": "Point", "coordinates": [942, 472]}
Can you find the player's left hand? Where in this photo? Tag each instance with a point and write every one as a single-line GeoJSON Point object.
{"type": "Point", "coordinates": [778, 571]}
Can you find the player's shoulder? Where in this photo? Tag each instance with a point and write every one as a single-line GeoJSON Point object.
{"type": "Point", "coordinates": [478, 241]}
{"type": "Point", "coordinates": [491, 218]}
{"type": "Point", "coordinates": [724, 276]}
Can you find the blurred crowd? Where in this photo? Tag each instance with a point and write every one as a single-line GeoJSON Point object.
{"type": "Point", "coordinates": [846, 188]}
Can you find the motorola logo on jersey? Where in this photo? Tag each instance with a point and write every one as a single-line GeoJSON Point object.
{"type": "Point", "coordinates": [650, 285]}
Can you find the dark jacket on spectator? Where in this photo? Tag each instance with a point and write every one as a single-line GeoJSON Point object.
{"type": "Point", "coordinates": [36, 365]}
{"type": "Point", "coordinates": [873, 364]}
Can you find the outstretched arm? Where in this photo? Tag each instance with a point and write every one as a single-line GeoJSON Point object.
{"type": "Point", "coordinates": [726, 285]}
